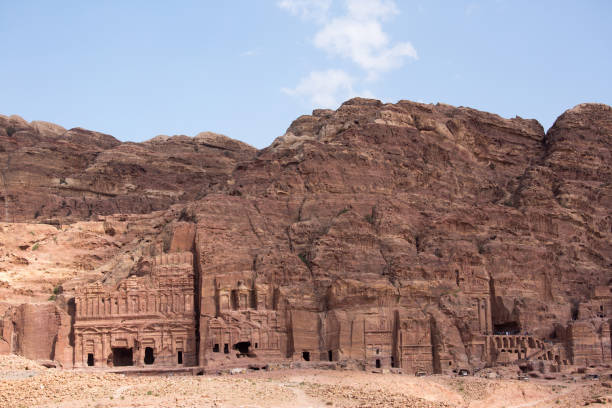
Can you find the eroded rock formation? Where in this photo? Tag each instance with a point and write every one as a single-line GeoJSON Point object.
{"type": "Point", "coordinates": [422, 237]}
{"type": "Point", "coordinates": [48, 172]}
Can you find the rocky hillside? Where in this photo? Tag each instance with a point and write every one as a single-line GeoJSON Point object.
{"type": "Point", "coordinates": [50, 173]}
{"type": "Point", "coordinates": [369, 208]}
{"type": "Point", "coordinates": [375, 205]}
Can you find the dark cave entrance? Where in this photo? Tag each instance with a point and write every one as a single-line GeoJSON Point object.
{"type": "Point", "coordinates": [123, 357]}
{"type": "Point", "coordinates": [243, 347]}
{"type": "Point", "coordinates": [149, 356]}
{"type": "Point", "coordinates": [306, 355]}
{"type": "Point", "coordinates": [377, 363]}
{"type": "Point", "coordinates": [507, 328]}
{"type": "Point", "coordinates": [90, 359]}
{"type": "Point", "coordinates": [179, 357]}
{"type": "Point", "coordinates": [330, 355]}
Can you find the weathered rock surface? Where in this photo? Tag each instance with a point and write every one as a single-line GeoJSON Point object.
{"type": "Point", "coordinates": [421, 237]}
{"type": "Point", "coordinates": [47, 172]}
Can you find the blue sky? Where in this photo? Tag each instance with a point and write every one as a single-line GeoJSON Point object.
{"type": "Point", "coordinates": [246, 68]}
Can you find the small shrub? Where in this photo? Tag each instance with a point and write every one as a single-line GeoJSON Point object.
{"type": "Point", "coordinates": [52, 298]}
{"type": "Point", "coordinates": [35, 247]}
{"type": "Point", "coordinates": [304, 258]}
{"type": "Point", "coordinates": [149, 392]}
{"type": "Point", "coordinates": [342, 211]}
{"type": "Point", "coordinates": [57, 290]}
{"type": "Point", "coordinates": [369, 218]}
{"type": "Point", "coordinates": [10, 131]}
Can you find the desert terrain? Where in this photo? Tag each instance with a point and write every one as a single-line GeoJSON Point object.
{"type": "Point", "coordinates": [24, 383]}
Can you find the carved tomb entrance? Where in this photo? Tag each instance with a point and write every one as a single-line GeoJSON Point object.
{"type": "Point", "coordinates": [123, 357]}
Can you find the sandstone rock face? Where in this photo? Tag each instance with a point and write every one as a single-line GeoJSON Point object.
{"type": "Point", "coordinates": [422, 237]}
{"type": "Point", "coordinates": [37, 331]}
{"type": "Point", "coordinates": [47, 172]}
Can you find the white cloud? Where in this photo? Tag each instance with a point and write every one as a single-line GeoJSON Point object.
{"type": "Point", "coordinates": [324, 89]}
{"type": "Point", "coordinates": [365, 43]}
{"type": "Point", "coordinates": [359, 36]}
{"type": "Point", "coordinates": [356, 34]}
{"type": "Point", "coordinates": [249, 53]}
{"type": "Point", "coordinates": [306, 9]}
{"type": "Point", "coordinates": [371, 9]}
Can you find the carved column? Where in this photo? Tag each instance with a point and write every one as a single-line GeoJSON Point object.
{"type": "Point", "coordinates": [105, 347]}
{"type": "Point", "coordinates": [488, 318]}
{"type": "Point", "coordinates": [482, 317]}
{"type": "Point", "coordinates": [78, 350]}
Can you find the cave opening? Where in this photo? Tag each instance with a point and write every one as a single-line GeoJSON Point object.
{"type": "Point", "coordinates": [215, 348]}
{"type": "Point", "coordinates": [90, 359]}
{"type": "Point", "coordinates": [330, 355]}
{"type": "Point", "coordinates": [575, 309]}
{"type": "Point", "coordinates": [243, 347]}
{"type": "Point", "coordinates": [149, 357]}
{"type": "Point", "coordinates": [123, 357]}
{"type": "Point", "coordinates": [377, 363]}
{"type": "Point", "coordinates": [226, 348]}
{"type": "Point", "coordinates": [179, 357]}
{"type": "Point", "coordinates": [511, 327]}
{"type": "Point", "coordinates": [306, 355]}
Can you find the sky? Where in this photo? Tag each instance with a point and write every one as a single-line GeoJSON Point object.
{"type": "Point", "coordinates": [248, 68]}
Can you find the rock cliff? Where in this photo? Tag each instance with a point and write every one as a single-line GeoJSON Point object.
{"type": "Point", "coordinates": [419, 237]}
{"type": "Point", "coordinates": [50, 173]}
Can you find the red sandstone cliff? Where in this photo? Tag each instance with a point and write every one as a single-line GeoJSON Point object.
{"type": "Point", "coordinates": [48, 172]}
{"type": "Point", "coordinates": [403, 235]}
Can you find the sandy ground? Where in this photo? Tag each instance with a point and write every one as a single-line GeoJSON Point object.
{"type": "Point", "coordinates": [24, 383]}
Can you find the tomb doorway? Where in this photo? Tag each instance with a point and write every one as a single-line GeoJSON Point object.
{"type": "Point", "coordinates": [123, 357]}
{"type": "Point", "coordinates": [90, 359]}
{"type": "Point", "coordinates": [149, 357]}
{"type": "Point", "coordinates": [243, 347]}
{"type": "Point", "coordinates": [306, 355]}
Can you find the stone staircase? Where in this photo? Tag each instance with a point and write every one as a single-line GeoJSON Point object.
{"type": "Point", "coordinates": [520, 349]}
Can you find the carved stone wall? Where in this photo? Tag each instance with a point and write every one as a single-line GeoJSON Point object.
{"type": "Point", "coordinates": [37, 331]}
{"type": "Point", "coordinates": [145, 320]}
{"type": "Point", "coordinates": [589, 344]}
{"type": "Point", "coordinates": [238, 320]}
